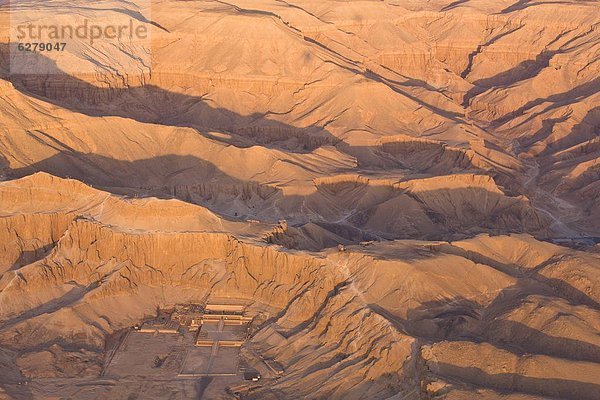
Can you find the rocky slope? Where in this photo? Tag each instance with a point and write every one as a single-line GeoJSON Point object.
{"type": "Point", "coordinates": [449, 146]}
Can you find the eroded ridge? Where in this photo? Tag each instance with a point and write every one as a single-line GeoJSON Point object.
{"type": "Point", "coordinates": [402, 197]}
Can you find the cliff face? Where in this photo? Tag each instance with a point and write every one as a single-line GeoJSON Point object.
{"type": "Point", "coordinates": [444, 145]}
{"type": "Point", "coordinates": [359, 321]}
{"type": "Point", "coordinates": [92, 265]}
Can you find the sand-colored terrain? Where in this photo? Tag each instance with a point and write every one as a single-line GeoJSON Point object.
{"type": "Point", "coordinates": [408, 191]}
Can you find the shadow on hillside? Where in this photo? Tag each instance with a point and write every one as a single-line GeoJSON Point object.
{"type": "Point", "coordinates": [558, 286]}
{"type": "Point", "coordinates": [4, 167]}
{"type": "Point", "coordinates": [454, 5]}
{"type": "Point", "coordinates": [571, 96]}
{"type": "Point", "coordinates": [523, 4]}
{"type": "Point", "coordinates": [560, 157]}
{"type": "Point", "coordinates": [352, 211]}
{"type": "Point", "coordinates": [504, 332]}
{"type": "Point", "coordinates": [511, 382]}
{"type": "Point", "coordinates": [525, 70]}
{"type": "Point", "coordinates": [463, 319]}
{"type": "Point", "coordinates": [67, 299]}
{"type": "Point", "coordinates": [31, 256]}
{"type": "Point", "coordinates": [151, 104]}
{"type": "Point", "coordinates": [460, 319]}
{"type": "Point", "coordinates": [587, 129]}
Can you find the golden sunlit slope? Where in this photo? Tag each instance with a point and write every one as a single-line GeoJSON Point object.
{"type": "Point", "coordinates": [448, 147]}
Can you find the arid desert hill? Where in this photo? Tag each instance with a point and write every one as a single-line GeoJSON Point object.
{"type": "Point", "coordinates": [410, 189]}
